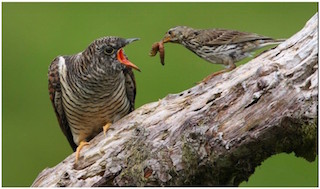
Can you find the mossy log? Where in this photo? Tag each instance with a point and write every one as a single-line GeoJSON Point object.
{"type": "Point", "coordinates": [212, 134]}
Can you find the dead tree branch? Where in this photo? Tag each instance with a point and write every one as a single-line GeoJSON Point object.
{"type": "Point", "coordinates": [212, 134]}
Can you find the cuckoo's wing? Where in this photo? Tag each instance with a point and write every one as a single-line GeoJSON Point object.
{"type": "Point", "coordinates": [223, 36]}
{"type": "Point", "coordinates": [130, 86]}
{"type": "Point", "coordinates": [56, 99]}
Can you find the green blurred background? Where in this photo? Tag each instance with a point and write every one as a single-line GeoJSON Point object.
{"type": "Point", "coordinates": [34, 33]}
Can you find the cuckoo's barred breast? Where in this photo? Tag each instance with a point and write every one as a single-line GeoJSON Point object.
{"type": "Point", "coordinates": [92, 89]}
{"type": "Point", "coordinates": [89, 108]}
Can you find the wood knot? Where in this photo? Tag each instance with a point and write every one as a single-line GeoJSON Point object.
{"type": "Point", "coordinates": [64, 180]}
{"type": "Point", "coordinates": [65, 175]}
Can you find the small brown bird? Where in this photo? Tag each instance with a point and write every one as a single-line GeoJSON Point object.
{"type": "Point", "coordinates": [92, 89]}
{"type": "Point", "coordinates": [218, 46]}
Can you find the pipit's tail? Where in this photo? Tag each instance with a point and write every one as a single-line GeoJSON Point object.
{"type": "Point", "coordinates": [267, 42]}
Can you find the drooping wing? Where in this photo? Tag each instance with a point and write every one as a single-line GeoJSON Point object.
{"type": "Point", "coordinates": [222, 36]}
{"type": "Point", "coordinates": [130, 86]}
{"type": "Point", "coordinates": [56, 99]}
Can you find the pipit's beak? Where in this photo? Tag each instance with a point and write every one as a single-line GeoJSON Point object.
{"type": "Point", "coordinates": [125, 61]}
{"type": "Point", "coordinates": [166, 38]}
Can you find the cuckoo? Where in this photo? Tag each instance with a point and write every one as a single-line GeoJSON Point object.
{"type": "Point", "coordinates": [92, 89]}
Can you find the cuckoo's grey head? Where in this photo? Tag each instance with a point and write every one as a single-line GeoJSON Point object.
{"type": "Point", "coordinates": [178, 34]}
{"type": "Point", "coordinates": [108, 52]}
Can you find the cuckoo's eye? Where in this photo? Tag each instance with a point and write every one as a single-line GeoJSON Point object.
{"type": "Point", "coordinates": [108, 50]}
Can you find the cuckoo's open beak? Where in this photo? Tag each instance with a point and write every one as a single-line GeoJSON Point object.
{"type": "Point", "coordinates": [130, 40]}
{"type": "Point", "coordinates": [125, 61]}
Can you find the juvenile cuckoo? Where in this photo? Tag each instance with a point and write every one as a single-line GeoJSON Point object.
{"type": "Point", "coordinates": [92, 89]}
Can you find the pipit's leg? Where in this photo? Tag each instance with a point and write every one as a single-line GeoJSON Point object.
{"type": "Point", "coordinates": [81, 145]}
{"type": "Point", "coordinates": [105, 128]}
{"type": "Point", "coordinates": [230, 67]}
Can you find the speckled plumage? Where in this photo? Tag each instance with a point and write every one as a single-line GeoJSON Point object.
{"type": "Point", "coordinates": [218, 46]}
{"type": "Point", "coordinates": [91, 88]}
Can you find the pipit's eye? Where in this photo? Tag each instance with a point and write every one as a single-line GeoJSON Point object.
{"type": "Point", "coordinates": [170, 32]}
{"type": "Point", "coordinates": [108, 50]}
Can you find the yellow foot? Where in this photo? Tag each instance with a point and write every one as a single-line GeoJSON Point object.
{"type": "Point", "coordinates": [105, 128]}
{"type": "Point", "coordinates": [81, 145]}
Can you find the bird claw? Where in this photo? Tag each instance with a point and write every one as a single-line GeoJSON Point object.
{"type": "Point", "coordinates": [209, 77]}
{"type": "Point", "coordinates": [106, 128]}
{"type": "Point", "coordinates": [81, 145]}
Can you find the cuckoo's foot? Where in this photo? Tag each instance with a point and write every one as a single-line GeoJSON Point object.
{"type": "Point", "coordinates": [81, 145]}
{"type": "Point", "coordinates": [106, 128]}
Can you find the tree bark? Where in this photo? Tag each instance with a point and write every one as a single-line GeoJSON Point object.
{"type": "Point", "coordinates": [212, 134]}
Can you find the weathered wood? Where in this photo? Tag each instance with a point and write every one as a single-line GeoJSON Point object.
{"type": "Point", "coordinates": [211, 134]}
